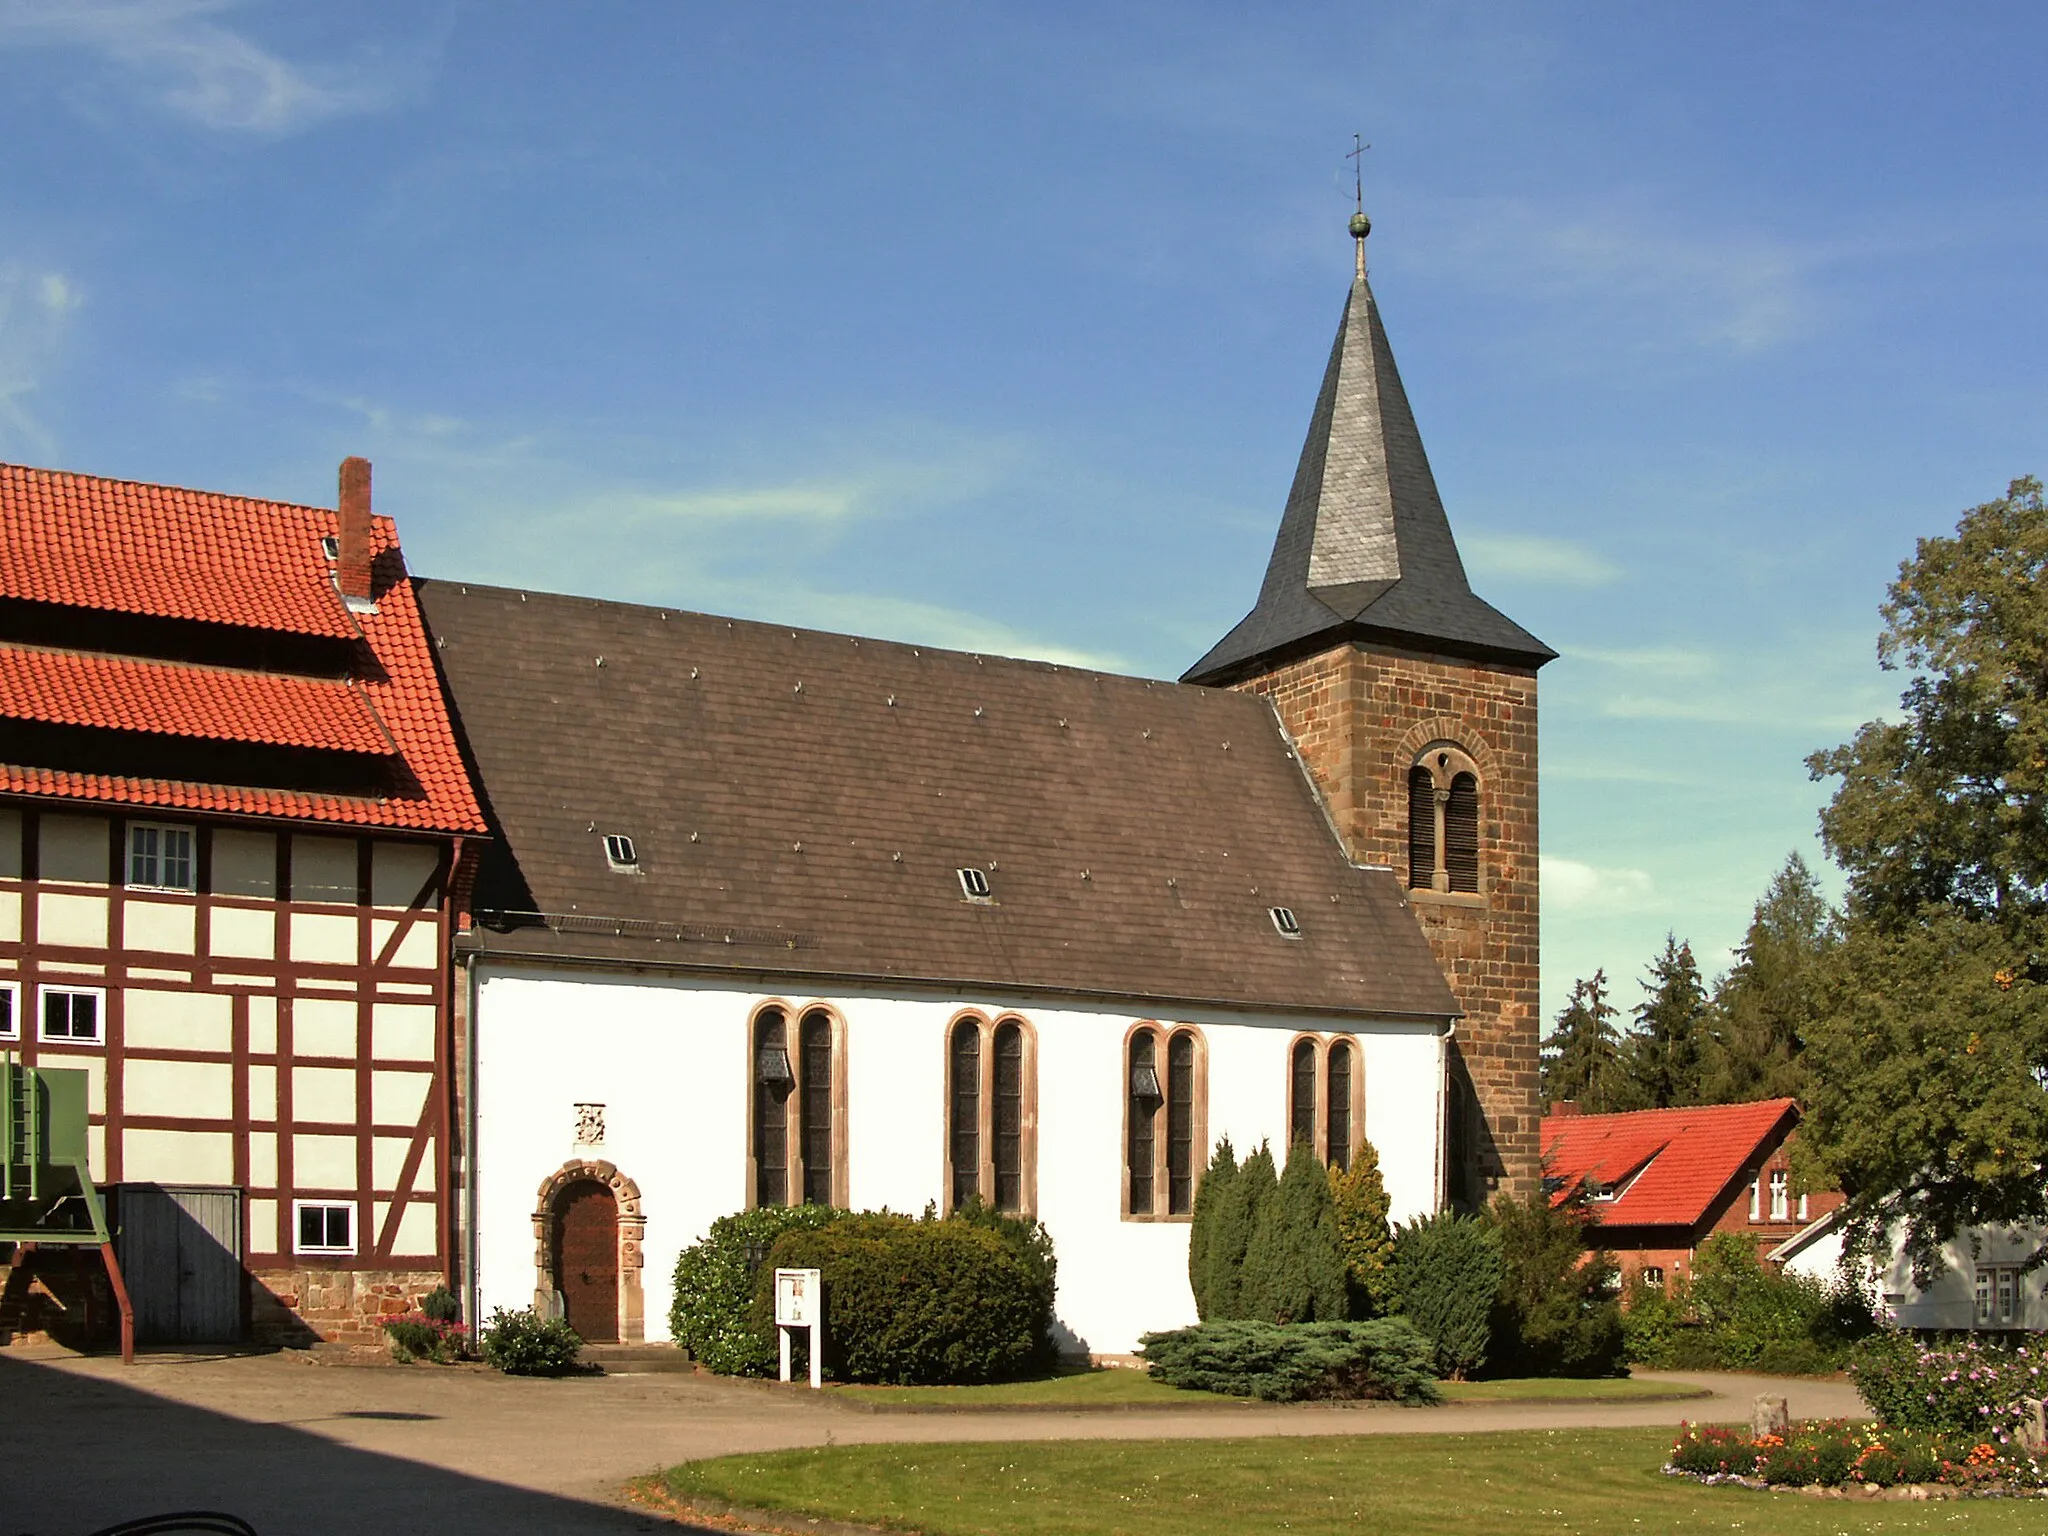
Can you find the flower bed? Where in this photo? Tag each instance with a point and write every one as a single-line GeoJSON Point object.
{"type": "Point", "coordinates": [1839, 1454]}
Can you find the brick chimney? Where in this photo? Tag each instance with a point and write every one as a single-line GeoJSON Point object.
{"type": "Point", "coordinates": [352, 564]}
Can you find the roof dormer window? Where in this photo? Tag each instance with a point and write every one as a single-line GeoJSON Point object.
{"type": "Point", "coordinates": [620, 854]}
{"type": "Point", "coordinates": [974, 884]}
{"type": "Point", "coordinates": [1285, 922]}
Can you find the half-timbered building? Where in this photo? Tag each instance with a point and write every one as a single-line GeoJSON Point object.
{"type": "Point", "coordinates": [230, 802]}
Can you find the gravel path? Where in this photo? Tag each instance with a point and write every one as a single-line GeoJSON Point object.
{"type": "Point", "coordinates": [304, 1450]}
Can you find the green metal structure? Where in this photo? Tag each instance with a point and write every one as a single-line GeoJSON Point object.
{"type": "Point", "coordinates": [47, 1198]}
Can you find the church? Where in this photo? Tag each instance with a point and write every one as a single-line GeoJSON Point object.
{"type": "Point", "coordinates": [770, 916]}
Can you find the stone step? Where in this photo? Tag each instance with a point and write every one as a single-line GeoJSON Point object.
{"type": "Point", "coordinates": [633, 1358]}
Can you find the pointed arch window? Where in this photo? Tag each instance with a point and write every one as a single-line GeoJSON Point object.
{"type": "Point", "coordinates": [1326, 1096]}
{"type": "Point", "coordinates": [1443, 821]}
{"type": "Point", "coordinates": [797, 1108]}
{"type": "Point", "coordinates": [1166, 1119]}
{"type": "Point", "coordinates": [992, 1113]}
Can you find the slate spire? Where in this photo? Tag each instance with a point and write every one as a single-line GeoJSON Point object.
{"type": "Point", "coordinates": [1364, 551]}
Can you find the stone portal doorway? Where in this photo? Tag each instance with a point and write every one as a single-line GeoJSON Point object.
{"type": "Point", "coordinates": [588, 1231]}
{"type": "Point", "coordinates": [586, 1252]}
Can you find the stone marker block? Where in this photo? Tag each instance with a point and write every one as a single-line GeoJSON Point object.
{"type": "Point", "coordinates": [1769, 1416]}
{"type": "Point", "coordinates": [2034, 1424]}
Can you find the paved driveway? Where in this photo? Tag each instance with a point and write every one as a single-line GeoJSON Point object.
{"type": "Point", "coordinates": [307, 1450]}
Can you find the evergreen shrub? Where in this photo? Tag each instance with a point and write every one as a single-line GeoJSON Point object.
{"type": "Point", "coordinates": [1557, 1312]}
{"type": "Point", "coordinates": [1447, 1273]}
{"type": "Point", "coordinates": [521, 1344]}
{"type": "Point", "coordinates": [917, 1302]}
{"type": "Point", "coordinates": [1359, 1197]}
{"type": "Point", "coordinates": [1293, 1271]}
{"type": "Point", "coordinates": [714, 1287]}
{"type": "Point", "coordinates": [1233, 1290]}
{"type": "Point", "coordinates": [1383, 1358]}
{"type": "Point", "coordinates": [441, 1305]}
{"type": "Point", "coordinates": [1209, 1200]}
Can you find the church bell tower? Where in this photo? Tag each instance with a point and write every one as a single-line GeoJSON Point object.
{"type": "Point", "coordinates": [1413, 703]}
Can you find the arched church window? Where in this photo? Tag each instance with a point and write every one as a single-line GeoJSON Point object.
{"type": "Point", "coordinates": [1166, 1118]}
{"type": "Point", "coordinates": [1325, 1096]}
{"type": "Point", "coordinates": [1337, 1133]}
{"type": "Point", "coordinates": [992, 1114]}
{"type": "Point", "coordinates": [1301, 1115]}
{"type": "Point", "coordinates": [1443, 822]}
{"type": "Point", "coordinates": [797, 1109]}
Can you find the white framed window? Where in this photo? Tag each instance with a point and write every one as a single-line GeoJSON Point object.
{"type": "Point", "coordinates": [160, 858]}
{"type": "Point", "coordinates": [74, 1014]}
{"type": "Point", "coordinates": [1781, 1195]}
{"type": "Point", "coordinates": [10, 1010]}
{"type": "Point", "coordinates": [1756, 1199]}
{"type": "Point", "coordinates": [1998, 1295]}
{"type": "Point", "coordinates": [323, 1226]}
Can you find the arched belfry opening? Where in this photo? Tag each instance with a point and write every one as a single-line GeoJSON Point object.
{"type": "Point", "coordinates": [589, 1237]}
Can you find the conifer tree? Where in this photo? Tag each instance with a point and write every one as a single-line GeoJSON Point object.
{"type": "Point", "coordinates": [1237, 1269]}
{"type": "Point", "coordinates": [1359, 1196]}
{"type": "Point", "coordinates": [1582, 1058]}
{"type": "Point", "coordinates": [1209, 1199]}
{"type": "Point", "coordinates": [1663, 1054]}
{"type": "Point", "coordinates": [1767, 1004]}
{"type": "Point", "coordinates": [1294, 1271]}
{"type": "Point", "coordinates": [1447, 1271]}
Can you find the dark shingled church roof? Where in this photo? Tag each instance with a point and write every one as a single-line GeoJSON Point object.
{"type": "Point", "coordinates": [801, 803]}
{"type": "Point", "coordinates": [1364, 551]}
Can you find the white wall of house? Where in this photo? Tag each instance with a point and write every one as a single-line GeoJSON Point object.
{"type": "Point", "coordinates": [668, 1058]}
{"type": "Point", "coordinates": [1950, 1300]}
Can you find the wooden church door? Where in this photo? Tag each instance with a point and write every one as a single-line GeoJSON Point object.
{"type": "Point", "coordinates": [587, 1259]}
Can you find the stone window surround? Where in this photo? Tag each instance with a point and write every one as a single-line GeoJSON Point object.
{"type": "Point", "coordinates": [1198, 1139]}
{"type": "Point", "coordinates": [632, 1232]}
{"type": "Point", "coordinates": [1321, 1044]}
{"type": "Point", "coordinates": [793, 1016]}
{"type": "Point", "coordinates": [1027, 1154]}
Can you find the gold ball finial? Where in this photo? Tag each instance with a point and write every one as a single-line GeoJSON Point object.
{"type": "Point", "coordinates": [1361, 226]}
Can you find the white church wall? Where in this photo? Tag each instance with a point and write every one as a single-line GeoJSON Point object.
{"type": "Point", "coordinates": [667, 1057]}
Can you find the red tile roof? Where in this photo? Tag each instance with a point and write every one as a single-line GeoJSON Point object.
{"type": "Point", "coordinates": [166, 698]}
{"type": "Point", "coordinates": [173, 553]}
{"type": "Point", "coordinates": [155, 550]}
{"type": "Point", "coordinates": [1666, 1166]}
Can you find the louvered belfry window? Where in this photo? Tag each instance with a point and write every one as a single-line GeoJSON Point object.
{"type": "Point", "coordinates": [1009, 1117]}
{"type": "Point", "coordinates": [1421, 828]}
{"type": "Point", "coordinates": [966, 1138]}
{"type": "Point", "coordinates": [1461, 833]}
{"type": "Point", "coordinates": [817, 1107]}
{"type": "Point", "coordinates": [773, 1081]}
{"type": "Point", "coordinates": [1340, 1103]}
{"type": "Point", "coordinates": [1301, 1117]}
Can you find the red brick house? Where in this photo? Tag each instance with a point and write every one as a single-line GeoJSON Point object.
{"type": "Point", "coordinates": [1662, 1181]}
{"type": "Point", "coordinates": [230, 805]}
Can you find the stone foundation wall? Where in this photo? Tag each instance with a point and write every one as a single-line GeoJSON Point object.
{"type": "Point", "coordinates": [1360, 719]}
{"type": "Point", "coordinates": [333, 1306]}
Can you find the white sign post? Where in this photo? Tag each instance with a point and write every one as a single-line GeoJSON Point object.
{"type": "Point", "coordinates": [800, 1303]}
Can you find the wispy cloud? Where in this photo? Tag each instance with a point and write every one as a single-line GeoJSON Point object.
{"type": "Point", "coordinates": [1572, 886]}
{"type": "Point", "coordinates": [195, 65]}
{"type": "Point", "coordinates": [34, 310]}
{"type": "Point", "coordinates": [1538, 561]}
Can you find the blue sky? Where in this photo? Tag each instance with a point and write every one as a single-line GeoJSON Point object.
{"type": "Point", "coordinates": [998, 327]}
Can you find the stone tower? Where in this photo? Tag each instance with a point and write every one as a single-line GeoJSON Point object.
{"type": "Point", "coordinates": [1413, 703]}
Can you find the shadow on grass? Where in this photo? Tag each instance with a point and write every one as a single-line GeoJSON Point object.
{"type": "Point", "coordinates": [82, 1453]}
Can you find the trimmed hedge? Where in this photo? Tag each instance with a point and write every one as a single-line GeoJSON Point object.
{"type": "Point", "coordinates": [714, 1295]}
{"type": "Point", "coordinates": [919, 1303]}
{"type": "Point", "coordinates": [1383, 1358]}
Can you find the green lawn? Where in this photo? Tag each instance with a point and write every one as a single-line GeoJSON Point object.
{"type": "Point", "coordinates": [1123, 1388]}
{"type": "Point", "coordinates": [1581, 1481]}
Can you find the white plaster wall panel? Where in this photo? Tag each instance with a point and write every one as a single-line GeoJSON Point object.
{"type": "Point", "coordinates": [73, 849]}
{"type": "Point", "coordinates": [10, 917]}
{"type": "Point", "coordinates": [1820, 1259]}
{"type": "Point", "coordinates": [244, 863]}
{"type": "Point", "coordinates": [323, 1027]}
{"type": "Point", "coordinates": [402, 1032]}
{"type": "Point", "coordinates": [242, 933]}
{"type": "Point", "coordinates": [323, 938]}
{"type": "Point", "coordinates": [263, 1226]}
{"type": "Point", "coordinates": [324, 869]}
{"type": "Point", "coordinates": [401, 872]}
{"type": "Point", "coordinates": [263, 1026]}
{"type": "Point", "coordinates": [396, 1098]}
{"type": "Point", "coordinates": [1403, 1076]}
{"type": "Point", "coordinates": [10, 845]}
{"type": "Point", "coordinates": [192, 1090]}
{"type": "Point", "coordinates": [262, 1093]}
{"type": "Point", "coordinates": [94, 1066]}
{"type": "Point", "coordinates": [177, 1021]}
{"type": "Point", "coordinates": [324, 1162]}
{"type": "Point", "coordinates": [387, 1160]}
{"type": "Point", "coordinates": [178, 1157]}
{"type": "Point", "coordinates": [416, 951]}
{"type": "Point", "coordinates": [263, 1159]}
{"type": "Point", "coordinates": [895, 1058]}
{"type": "Point", "coordinates": [159, 927]}
{"type": "Point", "coordinates": [75, 920]}
{"type": "Point", "coordinates": [324, 1095]}
{"type": "Point", "coordinates": [96, 1153]}
{"type": "Point", "coordinates": [417, 1231]}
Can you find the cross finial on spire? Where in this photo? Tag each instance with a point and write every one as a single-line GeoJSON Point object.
{"type": "Point", "coordinates": [1361, 226]}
